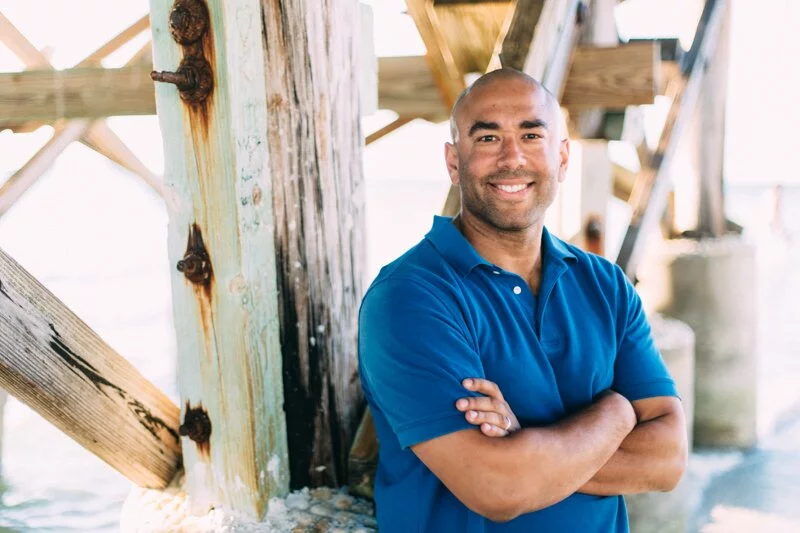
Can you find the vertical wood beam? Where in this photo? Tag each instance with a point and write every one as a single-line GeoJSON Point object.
{"type": "Point", "coordinates": [220, 235]}
{"type": "Point", "coordinates": [315, 145]}
{"type": "Point", "coordinates": [713, 105]}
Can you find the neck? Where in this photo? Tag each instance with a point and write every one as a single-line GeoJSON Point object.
{"type": "Point", "coordinates": [519, 252]}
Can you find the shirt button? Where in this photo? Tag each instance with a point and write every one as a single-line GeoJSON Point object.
{"type": "Point", "coordinates": [517, 290]}
{"type": "Point", "coordinates": [496, 272]}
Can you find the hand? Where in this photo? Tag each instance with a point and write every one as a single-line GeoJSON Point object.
{"type": "Point", "coordinates": [490, 412]}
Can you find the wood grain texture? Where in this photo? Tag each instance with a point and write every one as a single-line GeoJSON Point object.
{"type": "Point", "coordinates": [613, 77]}
{"type": "Point", "coordinates": [74, 93]}
{"type": "Point", "coordinates": [218, 178]}
{"type": "Point", "coordinates": [443, 65]}
{"type": "Point", "coordinates": [470, 31]}
{"type": "Point", "coordinates": [55, 364]}
{"type": "Point", "coordinates": [315, 145]}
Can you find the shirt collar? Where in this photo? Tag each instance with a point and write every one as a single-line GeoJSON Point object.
{"type": "Point", "coordinates": [458, 251]}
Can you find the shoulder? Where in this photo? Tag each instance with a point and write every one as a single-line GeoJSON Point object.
{"type": "Point", "coordinates": [420, 275]}
{"type": "Point", "coordinates": [595, 268]}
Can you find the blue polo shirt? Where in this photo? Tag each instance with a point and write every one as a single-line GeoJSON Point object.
{"type": "Point", "coordinates": [441, 313]}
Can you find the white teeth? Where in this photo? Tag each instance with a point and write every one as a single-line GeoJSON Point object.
{"type": "Point", "coordinates": [511, 188]}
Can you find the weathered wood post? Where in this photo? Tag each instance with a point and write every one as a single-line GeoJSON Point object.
{"type": "Point", "coordinates": [263, 171]}
{"type": "Point", "coordinates": [315, 144]}
{"type": "Point", "coordinates": [221, 224]}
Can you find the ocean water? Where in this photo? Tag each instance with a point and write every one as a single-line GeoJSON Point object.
{"type": "Point", "coordinates": [96, 237]}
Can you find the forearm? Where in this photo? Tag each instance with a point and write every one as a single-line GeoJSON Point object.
{"type": "Point", "coordinates": [651, 458]}
{"type": "Point", "coordinates": [561, 458]}
{"type": "Point", "coordinates": [532, 468]}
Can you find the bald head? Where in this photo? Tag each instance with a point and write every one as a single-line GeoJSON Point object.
{"type": "Point", "coordinates": [495, 79]}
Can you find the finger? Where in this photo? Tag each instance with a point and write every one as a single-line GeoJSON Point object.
{"type": "Point", "coordinates": [484, 386]}
{"type": "Point", "coordinates": [495, 419]}
{"type": "Point", "coordinates": [490, 430]}
{"type": "Point", "coordinates": [482, 403]}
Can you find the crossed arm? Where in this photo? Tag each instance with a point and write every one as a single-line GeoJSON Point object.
{"type": "Point", "coordinates": [611, 447]}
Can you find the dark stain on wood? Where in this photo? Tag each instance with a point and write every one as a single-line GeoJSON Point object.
{"type": "Point", "coordinates": [197, 426]}
{"type": "Point", "coordinates": [153, 424]}
{"type": "Point", "coordinates": [80, 366]}
{"type": "Point", "coordinates": [312, 144]}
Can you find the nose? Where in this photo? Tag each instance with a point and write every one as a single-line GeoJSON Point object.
{"type": "Point", "coordinates": [511, 155]}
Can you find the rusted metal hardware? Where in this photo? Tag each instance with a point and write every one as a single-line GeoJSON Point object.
{"type": "Point", "coordinates": [194, 79]}
{"type": "Point", "coordinates": [196, 425]}
{"type": "Point", "coordinates": [196, 264]}
{"type": "Point", "coordinates": [188, 21]}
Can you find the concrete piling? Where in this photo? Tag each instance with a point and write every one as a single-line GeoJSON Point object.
{"type": "Point", "coordinates": [711, 285]}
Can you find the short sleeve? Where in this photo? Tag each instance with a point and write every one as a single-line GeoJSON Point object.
{"type": "Point", "coordinates": [414, 353]}
{"type": "Point", "coordinates": [639, 369]}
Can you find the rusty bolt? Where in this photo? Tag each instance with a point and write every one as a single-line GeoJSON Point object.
{"type": "Point", "coordinates": [196, 264]}
{"type": "Point", "coordinates": [196, 425]}
{"type": "Point", "coordinates": [188, 21]}
{"type": "Point", "coordinates": [194, 79]}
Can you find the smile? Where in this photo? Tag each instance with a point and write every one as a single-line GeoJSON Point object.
{"type": "Point", "coordinates": [511, 188]}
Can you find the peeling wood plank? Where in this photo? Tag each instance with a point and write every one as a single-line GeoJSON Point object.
{"type": "Point", "coordinates": [54, 363]}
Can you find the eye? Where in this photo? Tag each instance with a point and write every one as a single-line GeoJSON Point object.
{"type": "Point", "coordinates": [486, 138]}
{"type": "Point", "coordinates": [532, 136]}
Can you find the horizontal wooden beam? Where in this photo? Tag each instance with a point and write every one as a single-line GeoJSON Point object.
{"type": "Point", "coordinates": [76, 93]}
{"type": "Point", "coordinates": [406, 86]}
{"type": "Point", "coordinates": [600, 77]}
{"type": "Point", "coordinates": [613, 77]}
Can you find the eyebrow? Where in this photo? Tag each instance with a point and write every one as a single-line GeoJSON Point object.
{"type": "Point", "coordinates": [525, 125]}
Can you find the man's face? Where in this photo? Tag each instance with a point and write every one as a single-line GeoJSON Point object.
{"type": "Point", "coordinates": [508, 157]}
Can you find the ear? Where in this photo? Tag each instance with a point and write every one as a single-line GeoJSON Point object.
{"type": "Point", "coordinates": [451, 158]}
{"type": "Point", "coordinates": [564, 155]}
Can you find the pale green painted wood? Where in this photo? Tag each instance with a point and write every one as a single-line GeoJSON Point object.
{"type": "Point", "coordinates": [228, 343]}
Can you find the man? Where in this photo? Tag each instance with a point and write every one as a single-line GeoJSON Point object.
{"type": "Point", "coordinates": [512, 377]}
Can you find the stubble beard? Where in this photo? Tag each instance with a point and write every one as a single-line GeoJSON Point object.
{"type": "Point", "coordinates": [492, 215]}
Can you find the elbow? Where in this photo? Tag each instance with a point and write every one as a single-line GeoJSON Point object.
{"type": "Point", "coordinates": [675, 468]}
{"type": "Point", "coordinates": [505, 506]}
